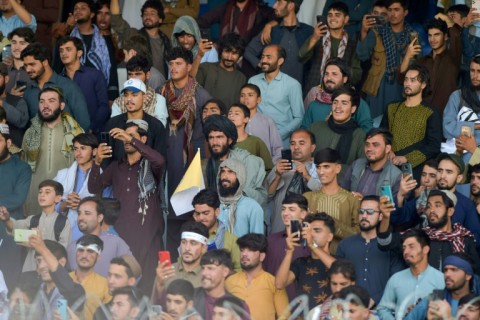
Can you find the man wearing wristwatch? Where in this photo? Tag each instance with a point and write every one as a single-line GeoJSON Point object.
{"type": "Point", "coordinates": [309, 273]}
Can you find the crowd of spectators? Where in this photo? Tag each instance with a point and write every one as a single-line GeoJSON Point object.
{"type": "Point", "coordinates": [339, 146]}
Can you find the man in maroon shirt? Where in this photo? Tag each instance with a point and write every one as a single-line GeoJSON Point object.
{"type": "Point", "coordinates": [294, 207]}
{"type": "Point", "coordinates": [134, 179]}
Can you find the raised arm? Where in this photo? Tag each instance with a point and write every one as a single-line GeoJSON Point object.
{"type": "Point", "coordinates": [22, 13]}
{"type": "Point", "coordinates": [284, 275]}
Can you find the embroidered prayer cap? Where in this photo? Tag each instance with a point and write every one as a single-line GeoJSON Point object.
{"type": "Point", "coordinates": [455, 159]}
{"type": "Point", "coordinates": [134, 85]}
{"type": "Point", "coordinates": [4, 129]}
{"type": "Point", "coordinates": [142, 124]}
{"type": "Point", "coordinates": [133, 264]}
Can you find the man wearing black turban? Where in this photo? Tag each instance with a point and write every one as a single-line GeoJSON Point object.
{"type": "Point", "coordinates": [221, 136]}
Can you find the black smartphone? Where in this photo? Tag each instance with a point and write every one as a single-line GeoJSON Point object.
{"type": "Point", "coordinates": [321, 19]}
{"type": "Point", "coordinates": [20, 83]}
{"type": "Point", "coordinates": [296, 228]}
{"type": "Point", "coordinates": [378, 19]}
{"type": "Point", "coordinates": [287, 155]}
{"type": "Point", "coordinates": [105, 138]}
{"type": "Point", "coordinates": [436, 295]}
{"type": "Point", "coordinates": [205, 35]}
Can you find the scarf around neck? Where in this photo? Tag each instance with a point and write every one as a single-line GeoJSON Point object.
{"type": "Point", "coordinates": [456, 237]}
{"type": "Point", "coordinates": [231, 202]}
{"type": "Point", "coordinates": [324, 97]}
{"type": "Point", "coordinates": [394, 45]}
{"type": "Point", "coordinates": [98, 55]}
{"type": "Point", "coordinates": [327, 48]}
{"type": "Point", "coordinates": [345, 130]}
{"type": "Point", "coordinates": [181, 109]}
{"type": "Point", "coordinates": [33, 138]}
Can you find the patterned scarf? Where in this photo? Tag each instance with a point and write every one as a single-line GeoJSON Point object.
{"type": "Point", "coordinates": [456, 237]}
{"type": "Point", "coordinates": [98, 54]}
{"type": "Point", "coordinates": [181, 110]}
{"type": "Point", "coordinates": [324, 97]}
{"type": "Point", "coordinates": [149, 102]}
{"type": "Point", "coordinates": [394, 46]}
{"type": "Point", "coordinates": [317, 93]}
{"type": "Point", "coordinates": [33, 138]}
{"type": "Point", "coordinates": [246, 19]}
{"type": "Point", "coordinates": [327, 48]}
{"type": "Point", "coordinates": [146, 185]}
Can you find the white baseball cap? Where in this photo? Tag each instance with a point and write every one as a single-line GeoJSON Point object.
{"type": "Point", "coordinates": [134, 85]}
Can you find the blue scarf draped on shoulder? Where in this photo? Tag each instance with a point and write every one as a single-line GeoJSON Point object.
{"type": "Point", "coordinates": [394, 44]}
{"type": "Point", "coordinates": [98, 54]}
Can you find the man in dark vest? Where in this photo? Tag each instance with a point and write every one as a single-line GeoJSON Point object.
{"type": "Point", "coordinates": [365, 176]}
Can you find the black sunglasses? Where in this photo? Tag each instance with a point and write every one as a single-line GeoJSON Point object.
{"type": "Point", "coordinates": [367, 211]}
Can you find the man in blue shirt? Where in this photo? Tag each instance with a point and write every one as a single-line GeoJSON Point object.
{"type": "Point", "coordinates": [404, 288]}
{"type": "Point", "coordinates": [90, 80]}
{"type": "Point", "coordinates": [16, 177]}
{"type": "Point", "coordinates": [281, 94]}
{"type": "Point", "coordinates": [239, 214]}
{"type": "Point", "coordinates": [443, 304]}
{"type": "Point", "coordinates": [373, 267]}
{"type": "Point", "coordinates": [290, 34]}
{"type": "Point", "coordinates": [14, 15]}
{"type": "Point", "coordinates": [36, 59]}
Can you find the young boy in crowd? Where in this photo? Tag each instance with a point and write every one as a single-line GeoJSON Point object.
{"type": "Point", "coordinates": [49, 222]}
{"type": "Point", "coordinates": [259, 124]}
{"type": "Point", "coordinates": [239, 114]}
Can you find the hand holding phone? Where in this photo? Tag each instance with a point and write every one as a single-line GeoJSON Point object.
{"type": "Point", "coordinates": [296, 228]}
{"type": "Point", "coordinates": [322, 19]}
{"type": "Point", "coordinates": [62, 308]}
{"type": "Point", "coordinates": [407, 170]}
{"type": "Point", "coordinates": [287, 155]}
{"type": "Point", "coordinates": [205, 36]}
{"type": "Point", "coordinates": [386, 190]}
{"type": "Point", "coordinates": [379, 20]}
{"type": "Point", "coordinates": [467, 131]}
{"type": "Point", "coordinates": [6, 52]}
{"type": "Point", "coordinates": [414, 36]}
{"type": "Point", "coordinates": [23, 235]}
{"type": "Point", "coordinates": [105, 138]}
{"type": "Point", "coordinates": [165, 256]}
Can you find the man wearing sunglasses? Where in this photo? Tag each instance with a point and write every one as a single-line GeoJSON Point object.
{"type": "Point", "coordinates": [373, 267]}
